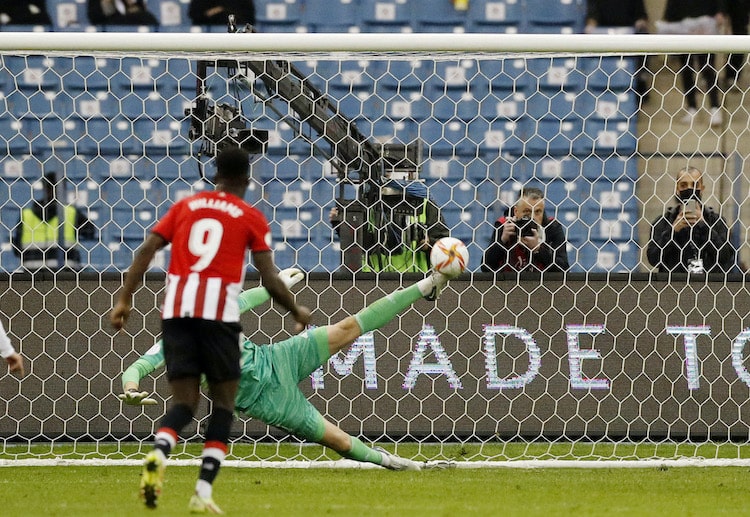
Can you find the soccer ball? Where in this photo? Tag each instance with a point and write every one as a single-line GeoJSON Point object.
{"type": "Point", "coordinates": [449, 256]}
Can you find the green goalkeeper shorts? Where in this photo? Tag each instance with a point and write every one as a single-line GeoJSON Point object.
{"type": "Point", "coordinates": [269, 388]}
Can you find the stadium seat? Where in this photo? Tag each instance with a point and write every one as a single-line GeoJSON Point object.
{"type": "Point", "coordinates": [549, 137]}
{"type": "Point", "coordinates": [555, 105]}
{"type": "Point", "coordinates": [607, 138]}
{"type": "Point", "coordinates": [100, 169]}
{"type": "Point", "coordinates": [498, 137]}
{"type": "Point", "coordinates": [577, 229]}
{"type": "Point", "coordinates": [545, 168]}
{"type": "Point", "coordinates": [613, 168]}
{"type": "Point", "coordinates": [277, 15]}
{"type": "Point", "coordinates": [609, 73]}
{"type": "Point", "coordinates": [460, 105]}
{"type": "Point", "coordinates": [500, 103]}
{"type": "Point", "coordinates": [613, 196]}
{"type": "Point", "coordinates": [109, 137]}
{"type": "Point", "coordinates": [450, 170]}
{"type": "Point", "coordinates": [449, 138]}
{"type": "Point", "coordinates": [495, 16]}
{"type": "Point", "coordinates": [620, 228]}
{"type": "Point", "coordinates": [431, 16]}
{"type": "Point", "coordinates": [563, 194]}
{"type": "Point", "coordinates": [330, 15]}
{"type": "Point", "coordinates": [67, 14]}
{"type": "Point", "coordinates": [385, 16]}
{"type": "Point", "coordinates": [400, 75]}
{"type": "Point", "coordinates": [90, 74]}
{"type": "Point", "coordinates": [286, 194]}
{"type": "Point", "coordinates": [555, 13]}
{"type": "Point", "coordinates": [170, 13]}
{"type": "Point", "coordinates": [606, 258]}
{"type": "Point", "coordinates": [505, 74]}
{"type": "Point", "coordinates": [556, 74]}
{"type": "Point", "coordinates": [607, 105]}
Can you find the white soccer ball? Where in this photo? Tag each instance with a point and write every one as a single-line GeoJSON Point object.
{"type": "Point", "coordinates": [449, 256]}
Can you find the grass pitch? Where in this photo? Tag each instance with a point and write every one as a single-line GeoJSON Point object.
{"type": "Point", "coordinates": [97, 491]}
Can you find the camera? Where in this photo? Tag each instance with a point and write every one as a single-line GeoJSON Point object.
{"type": "Point", "coordinates": [222, 126]}
{"type": "Point", "coordinates": [526, 226]}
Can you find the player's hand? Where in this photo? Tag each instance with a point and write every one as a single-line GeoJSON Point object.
{"type": "Point", "coordinates": [137, 398]}
{"type": "Point", "coordinates": [15, 364]}
{"type": "Point", "coordinates": [302, 316]}
{"type": "Point", "coordinates": [119, 315]}
{"type": "Point", "coordinates": [291, 276]}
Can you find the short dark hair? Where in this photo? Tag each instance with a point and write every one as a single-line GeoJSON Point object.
{"type": "Point", "coordinates": [233, 163]}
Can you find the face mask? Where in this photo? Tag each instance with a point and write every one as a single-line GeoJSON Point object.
{"type": "Point", "coordinates": [686, 194]}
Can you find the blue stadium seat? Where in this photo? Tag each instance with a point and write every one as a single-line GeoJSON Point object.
{"type": "Point", "coordinates": [495, 16]}
{"type": "Point", "coordinates": [452, 75]}
{"type": "Point", "coordinates": [170, 13]}
{"type": "Point", "coordinates": [555, 13]}
{"type": "Point", "coordinates": [450, 138]}
{"type": "Point", "coordinates": [463, 106]}
{"type": "Point", "coordinates": [431, 16]}
{"type": "Point", "coordinates": [498, 137]}
{"type": "Point", "coordinates": [563, 194]}
{"type": "Point", "coordinates": [400, 75]}
{"type": "Point", "coordinates": [607, 105]}
{"type": "Point", "coordinates": [34, 72]}
{"type": "Point", "coordinates": [609, 73]}
{"type": "Point", "coordinates": [447, 169]}
{"type": "Point", "coordinates": [552, 137]}
{"type": "Point", "coordinates": [610, 257]}
{"type": "Point", "coordinates": [90, 74]}
{"type": "Point", "coordinates": [506, 74]}
{"type": "Point", "coordinates": [385, 15]}
{"type": "Point", "coordinates": [330, 14]}
{"type": "Point", "coordinates": [607, 138]}
{"type": "Point", "coordinates": [613, 168]}
{"type": "Point", "coordinates": [277, 15]}
{"type": "Point", "coordinates": [20, 167]}
{"type": "Point", "coordinates": [67, 14]}
{"type": "Point", "coordinates": [556, 74]}
{"type": "Point", "coordinates": [556, 105]}
{"type": "Point", "coordinates": [286, 194]}
{"type": "Point", "coordinates": [161, 137]}
{"type": "Point", "coordinates": [620, 228]}
{"type": "Point", "coordinates": [401, 131]}
{"type": "Point", "coordinates": [501, 103]}
{"type": "Point", "coordinates": [101, 169]}
{"type": "Point", "coordinates": [613, 196]}
{"type": "Point", "coordinates": [577, 229]}
{"type": "Point", "coordinates": [547, 168]}
{"type": "Point", "coordinates": [109, 137]}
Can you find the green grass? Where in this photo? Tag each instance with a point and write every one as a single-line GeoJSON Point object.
{"type": "Point", "coordinates": [98, 491]}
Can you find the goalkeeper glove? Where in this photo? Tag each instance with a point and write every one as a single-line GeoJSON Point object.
{"type": "Point", "coordinates": [291, 276]}
{"type": "Point", "coordinates": [137, 398]}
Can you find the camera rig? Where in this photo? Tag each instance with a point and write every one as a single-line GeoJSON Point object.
{"type": "Point", "coordinates": [291, 96]}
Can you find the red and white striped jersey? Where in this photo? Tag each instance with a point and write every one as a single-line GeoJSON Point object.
{"type": "Point", "coordinates": [210, 234]}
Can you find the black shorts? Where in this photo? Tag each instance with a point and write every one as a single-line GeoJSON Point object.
{"type": "Point", "coordinates": [194, 346]}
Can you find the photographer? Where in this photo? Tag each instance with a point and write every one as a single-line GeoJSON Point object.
{"type": "Point", "coordinates": [528, 240]}
{"type": "Point", "coordinates": [690, 237]}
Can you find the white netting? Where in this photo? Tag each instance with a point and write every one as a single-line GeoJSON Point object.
{"type": "Point", "coordinates": [607, 355]}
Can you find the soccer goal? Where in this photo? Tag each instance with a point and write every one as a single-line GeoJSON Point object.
{"type": "Point", "coordinates": [613, 361]}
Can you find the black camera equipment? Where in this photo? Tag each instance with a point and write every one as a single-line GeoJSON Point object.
{"type": "Point", "coordinates": [526, 226]}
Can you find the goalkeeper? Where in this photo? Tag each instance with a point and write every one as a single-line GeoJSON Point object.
{"type": "Point", "coordinates": [270, 375]}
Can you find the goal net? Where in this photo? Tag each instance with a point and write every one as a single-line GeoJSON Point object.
{"type": "Point", "coordinates": [621, 356]}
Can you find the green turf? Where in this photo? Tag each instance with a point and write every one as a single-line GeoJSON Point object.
{"type": "Point", "coordinates": [110, 491]}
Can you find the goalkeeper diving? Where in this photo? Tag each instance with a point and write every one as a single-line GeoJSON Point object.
{"type": "Point", "coordinates": [269, 390]}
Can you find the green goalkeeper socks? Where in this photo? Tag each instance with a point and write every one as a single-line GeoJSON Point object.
{"type": "Point", "coordinates": [383, 310]}
{"type": "Point", "coordinates": [363, 453]}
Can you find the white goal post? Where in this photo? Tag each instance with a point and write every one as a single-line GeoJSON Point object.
{"type": "Point", "coordinates": [608, 362]}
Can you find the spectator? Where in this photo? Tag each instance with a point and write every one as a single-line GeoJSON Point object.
{"type": "Point", "coordinates": [216, 12]}
{"type": "Point", "coordinates": [690, 237]}
{"type": "Point", "coordinates": [37, 236]}
{"type": "Point", "coordinates": [402, 226]}
{"type": "Point", "coordinates": [7, 352]}
{"type": "Point", "coordinates": [621, 13]}
{"type": "Point", "coordinates": [25, 12]}
{"type": "Point", "coordinates": [697, 17]}
{"type": "Point", "coordinates": [120, 12]}
{"type": "Point", "coordinates": [528, 240]}
{"type": "Point", "coordinates": [739, 15]}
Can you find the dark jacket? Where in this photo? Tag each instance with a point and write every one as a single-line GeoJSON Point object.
{"type": "Point", "coordinates": [616, 13]}
{"type": "Point", "coordinates": [136, 14]}
{"type": "Point", "coordinates": [707, 240]}
{"type": "Point", "coordinates": [677, 10]}
{"type": "Point", "coordinates": [26, 12]}
{"type": "Point", "coordinates": [243, 10]}
{"type": "Point", "coordinates": [552, 255]}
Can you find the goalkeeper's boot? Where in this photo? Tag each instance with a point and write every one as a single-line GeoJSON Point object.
{"type": "Point", "coordinates": [200, 504]}
{"type": "Point", "coordinates": [397, 462]}
{"type": "Point", "coordinates": [152, 477]}
{"type": "Point", "coordinates": [439, 281]}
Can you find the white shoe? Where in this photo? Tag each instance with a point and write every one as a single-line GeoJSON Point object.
{"type": "Point", "coordinates": [397, 462]}
{"type": "Point", "coordinates": [689, 116]}
{"type": "Point", "coordinates": [716, 118]}
{"type": "Point", "coordinates": [439, 281]}
{"type": "Point", "coordinates": [199, 504]}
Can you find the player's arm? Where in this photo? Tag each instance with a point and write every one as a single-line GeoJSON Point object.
{"type": "Point", "coordinates": [7, 352]}
{"type": "Point", "coordinates": [143, 256]}
{"type": "Point", "coordinates": [149, 362]}
{"type": "Point", "coordinates": [251, 298]}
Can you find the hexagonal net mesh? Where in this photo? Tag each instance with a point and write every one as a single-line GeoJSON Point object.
{"type": "Point", "coordinates": [590, 346]}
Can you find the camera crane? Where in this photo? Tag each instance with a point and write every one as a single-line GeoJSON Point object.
{"type": "Point", "coordinates": [356, 160]}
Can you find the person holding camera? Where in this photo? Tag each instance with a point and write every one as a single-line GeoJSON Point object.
{"type": "Point", "coordinates": [690, 237]}
{"type": "Point", "coordinates": [527, 240]}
